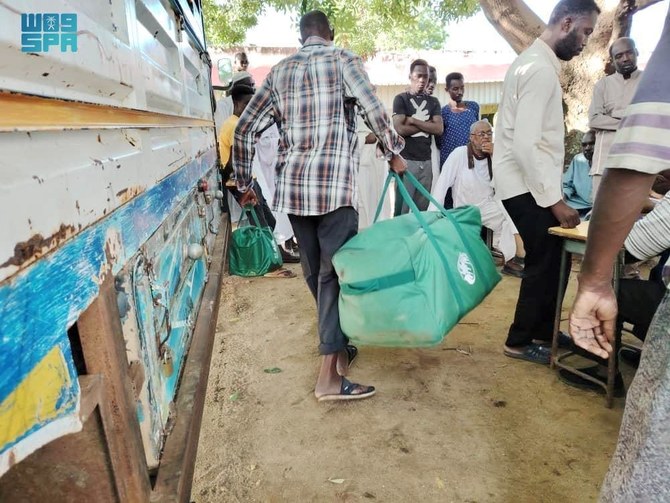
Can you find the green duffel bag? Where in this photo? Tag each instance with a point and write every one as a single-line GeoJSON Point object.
{"type": "Point", "coordinates": [253, 249]}
{"type": "Point", "coordinates": [406, 282]}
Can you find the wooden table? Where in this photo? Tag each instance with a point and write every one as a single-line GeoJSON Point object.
{"type": "Point", "coordinates": [574, 241]}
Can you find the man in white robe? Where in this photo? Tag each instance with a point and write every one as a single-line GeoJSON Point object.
{"type": "Point", "coordinates": [372, 172]}
{"type": "Point", "coordinates": [467, 171]}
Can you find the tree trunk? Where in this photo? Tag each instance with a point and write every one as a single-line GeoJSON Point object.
{"type": "Point", "coordinates": [519, 26]}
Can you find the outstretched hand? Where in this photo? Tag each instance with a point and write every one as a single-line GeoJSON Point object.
{"type": "Point", "coordinates": [592, 320]}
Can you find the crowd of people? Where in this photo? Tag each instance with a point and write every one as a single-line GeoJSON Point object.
{"type": "Point", "coordinates": [315, 100]}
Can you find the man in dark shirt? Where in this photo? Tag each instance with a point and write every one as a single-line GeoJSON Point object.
{"type": "Point", "coordinates": [416, 117]}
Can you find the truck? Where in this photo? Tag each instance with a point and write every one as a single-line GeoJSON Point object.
{"type": "Point", "coordinates": [114, 235]}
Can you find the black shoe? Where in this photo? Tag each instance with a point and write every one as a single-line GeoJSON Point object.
{"type": "Point", "coordinates": [576, 381]}
{"type": "Point", "coordinates": [631, 356]}
{"type": "Point", "coordinates": [289, 256]}
{"type": "Point", "coordinates": [534, 353]}
{"type": "Point", "coordinates": [511, 270]}
{"type": "Point", "coordinates": [564, 341]}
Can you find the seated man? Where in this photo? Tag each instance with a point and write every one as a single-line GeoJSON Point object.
{"type": "Point", "coordinates": [577, 183]}
{"type": "Point", "coordinates": [468, 171]}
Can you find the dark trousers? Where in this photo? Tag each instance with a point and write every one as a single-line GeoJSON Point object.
{"type": "Point", "coordinates": [638, 301]}
{"type": "Point", "coordinates": [536, 307]}
{"type": "Point", "coordinates": [320, 237]}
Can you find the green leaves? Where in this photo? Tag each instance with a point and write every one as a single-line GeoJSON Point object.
{"type": "Point", "coordinates": [363, 26]}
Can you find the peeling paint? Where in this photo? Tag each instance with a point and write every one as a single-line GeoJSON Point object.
{"type": "Point", "coordinates": [129, 193]}
{"type": "Point", "coordinates": [37, 245]}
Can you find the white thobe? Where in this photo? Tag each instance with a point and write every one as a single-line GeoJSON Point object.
{"type": "Point", "coordinates": [372, 173]}
{"type": "Point", "coordinates": [611, 96]}
{"type": "Point", "coordinates": [473, 187]}
{"type": "Point", "coordinates": [263, 167]}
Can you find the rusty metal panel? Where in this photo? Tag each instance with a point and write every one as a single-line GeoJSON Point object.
{"type": "Point", "coordinates": [39, 304]}
{"type": "Point", "coordinates": [80, 475]}
{"type": "Point", "coordinates": [103, 170]}
{"type": "Point", "coordinates": [83, 201]}
{"type": "Point", "coordinates": [158, 295]}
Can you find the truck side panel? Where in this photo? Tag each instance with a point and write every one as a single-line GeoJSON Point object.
{"type": "Point", "coordinates": [103, 150]}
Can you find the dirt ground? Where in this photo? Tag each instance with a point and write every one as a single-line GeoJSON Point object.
{"type": "Point", "coordinates": [456, 423]}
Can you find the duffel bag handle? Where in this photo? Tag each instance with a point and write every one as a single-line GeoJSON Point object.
{"type": "Point", "coordinates": [424, 192]}
{"type": "Point", "coordinates": [380, 204]}
{"type": "Point", "coordinates": [457, 226]}
{"type": "Point", "coordinates": [251, 209]}
{"type": "Point", "coordinates": [414, 182]}
{"type": "Point", "coordinates": [431, 237]}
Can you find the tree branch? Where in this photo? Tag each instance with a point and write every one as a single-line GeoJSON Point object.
{"type": "Point", "coordinates": [515, 21]}
{"type": "Point", "coordinates": [623, 17]}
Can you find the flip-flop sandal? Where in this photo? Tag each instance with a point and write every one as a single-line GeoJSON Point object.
{"type": "Point", "coordinates": [347, 392]}
{"type": "Point", "coordinates": [352, 352]}
{"type": "Point", "coordinates": [533, 353]}
{"type": "Point", "coordinates": [280, 273]}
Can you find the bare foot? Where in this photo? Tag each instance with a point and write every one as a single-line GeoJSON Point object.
{"type": "Point", "coordinates": [329, 381]}
{"type": "Point", "coordinates": [342, 363]}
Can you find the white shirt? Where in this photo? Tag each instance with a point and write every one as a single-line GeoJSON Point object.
{"type": "Point", "coordinates": [650, 236]}
{"type": "Point", "coordinates": [529, 134]}
{"type": "Point", "coordinates": [470, 186]}
{"type": "Point", "coordinates": [611, 96]}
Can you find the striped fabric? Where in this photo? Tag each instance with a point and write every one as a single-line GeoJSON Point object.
{"type": "Point", "coordinates": [313, 95]}
{"type": "Point", "coordinates": [651, 235]}
{"type": "Point", "coordinates": [642, 142]}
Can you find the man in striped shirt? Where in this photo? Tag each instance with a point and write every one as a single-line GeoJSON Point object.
{"type": "Point", "coordinates": [314, 96]}
{"type": "Point", "coordinates": [641, 149]}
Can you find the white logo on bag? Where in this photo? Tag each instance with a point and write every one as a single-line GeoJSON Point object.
{"type": "Point", "coordinates": [466, 269]}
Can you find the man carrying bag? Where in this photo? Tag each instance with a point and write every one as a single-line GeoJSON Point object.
{"type": "Point", "coordinates": [313, 96]}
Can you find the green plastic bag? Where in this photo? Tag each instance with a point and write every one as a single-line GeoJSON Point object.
{"type": "Point", "coordinates": [253, 249]}
{"type": "Point", "coordinates": [406, 282]}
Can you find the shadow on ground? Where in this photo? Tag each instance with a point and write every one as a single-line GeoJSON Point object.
{"type": "Point", "coordinates": [459, 422]}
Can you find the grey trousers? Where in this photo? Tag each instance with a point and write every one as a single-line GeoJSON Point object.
{"type": "Point", "coordinates": [319, 237]}
{"type": "Point", "coordinates": [423, 172]}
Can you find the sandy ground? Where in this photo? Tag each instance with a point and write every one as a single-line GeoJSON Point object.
{"type": "Point", "coordinates": [459, 422]}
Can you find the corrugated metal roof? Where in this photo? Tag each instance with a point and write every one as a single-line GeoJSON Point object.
{"type": "Point", "coordinates": [391, 69]}
{"type": "Point", "coordinates": [484, 93]}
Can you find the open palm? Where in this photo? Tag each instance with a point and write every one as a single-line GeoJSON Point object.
{"type": "Point", "coordinates": [592, 320]}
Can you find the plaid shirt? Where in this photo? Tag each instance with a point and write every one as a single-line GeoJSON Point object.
{"type": "Point", "coordinates": [313, 96]}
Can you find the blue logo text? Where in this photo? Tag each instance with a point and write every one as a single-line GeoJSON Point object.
{"type": "Point", "coordinates": [42, 31]}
